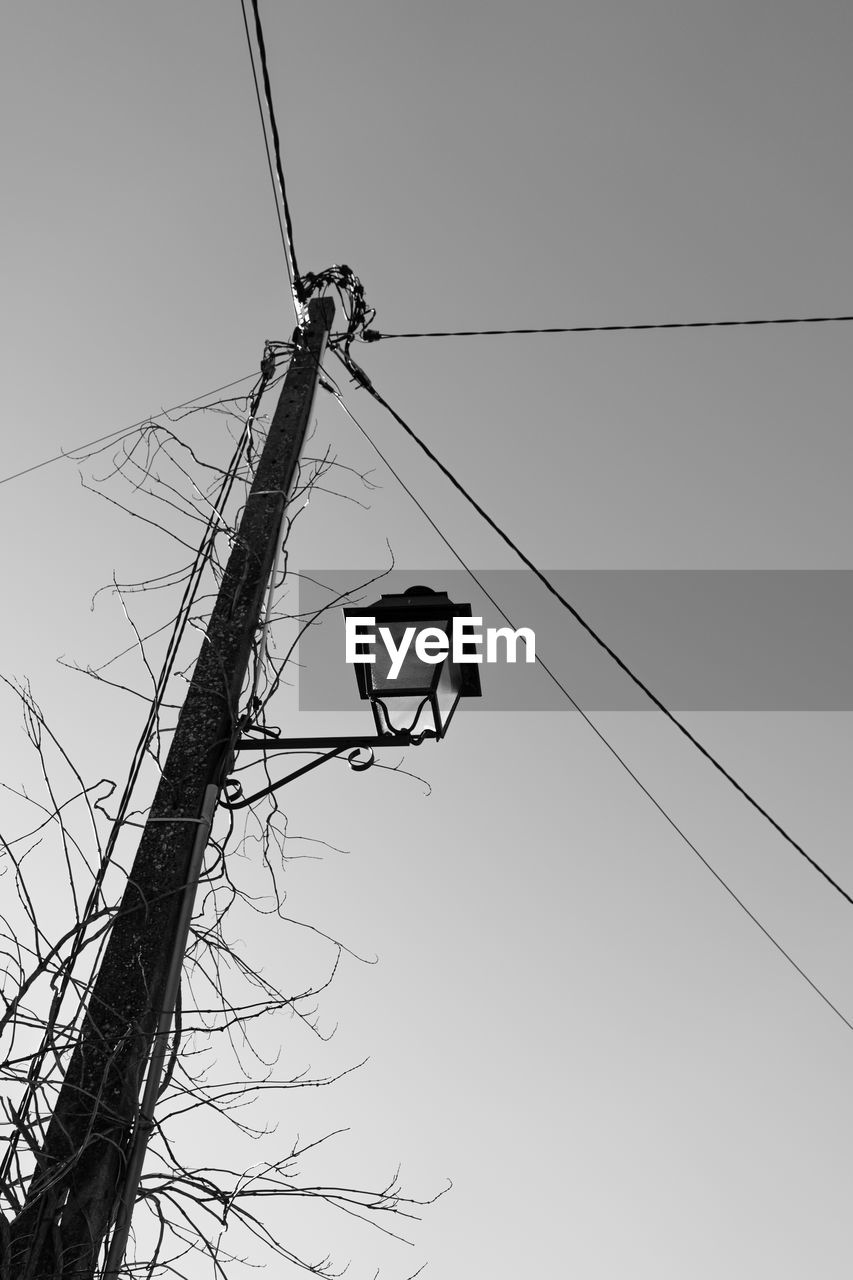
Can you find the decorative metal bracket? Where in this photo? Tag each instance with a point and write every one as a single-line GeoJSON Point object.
{"type": "Point", "coordinates": [233, 797]}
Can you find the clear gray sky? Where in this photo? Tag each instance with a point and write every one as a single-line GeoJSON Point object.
{"type": "Point", "coordinates": [570, 1018]}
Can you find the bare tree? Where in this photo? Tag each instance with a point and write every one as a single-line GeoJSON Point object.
{"type": "Point", "coordinates": [225, 1072]}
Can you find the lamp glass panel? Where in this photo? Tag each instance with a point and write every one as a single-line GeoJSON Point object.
{"type": "Point", "coordinates": [413, 673]}
{"type": "Point", "coordinates": [448, 691]}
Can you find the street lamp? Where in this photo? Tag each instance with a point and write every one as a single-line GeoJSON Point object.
{"type": "Point", "coordinates": [414, 703]}
{"type": "Point", "coordinates": [419, 701]}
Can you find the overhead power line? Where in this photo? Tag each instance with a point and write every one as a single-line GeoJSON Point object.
{"type": "Point", "coordinates": [270, 168]}
{"type": "Point", "coordinates": [120, 432]}
{"type": "Point", "coordinates": [362, 378]}
{"type": "Point", "coordinates": [373, 335]}
{"type": "Point", "coordinates": [299, 298]}
{"type": "Point", "coordinates": [592, 725]}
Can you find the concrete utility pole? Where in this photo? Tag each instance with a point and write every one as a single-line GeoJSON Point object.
{"type": "Point", "coordinates": [93, 1151]}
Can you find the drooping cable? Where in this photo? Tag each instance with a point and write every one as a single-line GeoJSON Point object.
{"type": "Point", "coordinates": [121, 432]}
{"type": "Point", "coordinates": [361, 377]}
{"type": "Point", "coordinates": [373, 335]}
{"type": "Point", "coordinates": [592, 725]}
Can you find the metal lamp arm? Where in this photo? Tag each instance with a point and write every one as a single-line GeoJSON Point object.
{"type": "Point", "coordinates": [233, 797]}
